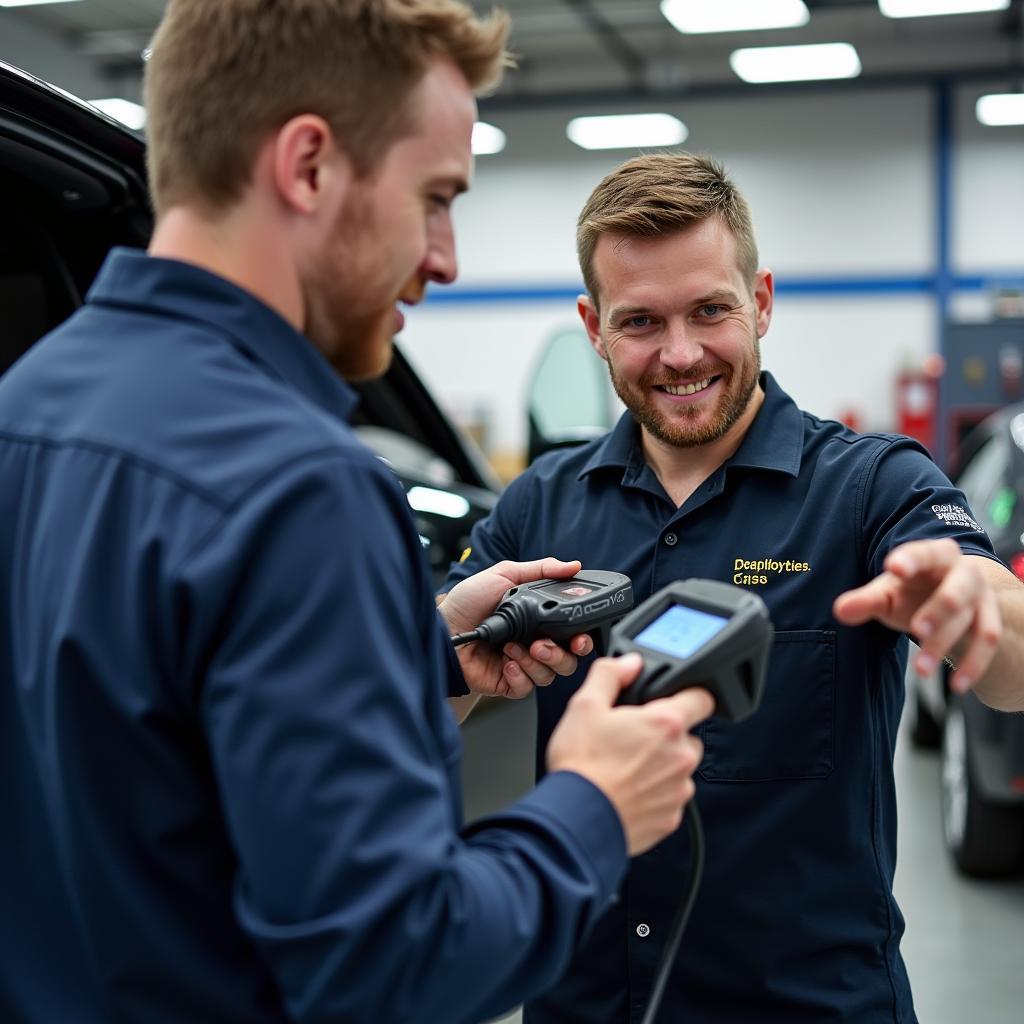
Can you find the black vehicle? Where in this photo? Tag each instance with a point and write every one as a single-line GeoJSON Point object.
{"type": "Point", "coordinates": [73, 184]}
{"type": "Point", "coordinates": [982, 749]}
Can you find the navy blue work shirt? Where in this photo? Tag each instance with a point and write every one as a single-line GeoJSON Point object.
{"type": "Point", "coordinates": [795, 920]}
{"type": "Point", "coordinates": [230, 778]}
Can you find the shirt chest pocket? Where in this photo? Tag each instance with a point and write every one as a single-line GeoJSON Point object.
{"type": "Point", "coordinates": [791, 735]}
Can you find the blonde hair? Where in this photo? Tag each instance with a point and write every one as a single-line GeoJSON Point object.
{"type": "Point", "coordinates": [658, 194]}
{"type": "Point", "coordinates": [223, 74]}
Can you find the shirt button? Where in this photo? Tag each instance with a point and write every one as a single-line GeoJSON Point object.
{"type": "Point", "coordinates": [671, 539]}
{"type": "Point", "coordinates": [643, 930]}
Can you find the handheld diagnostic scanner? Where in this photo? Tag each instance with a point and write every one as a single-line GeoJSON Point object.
{"type": "Point", "coordinates": [589, 602]}
{"type": "Point", "coordinates": [699, 633]}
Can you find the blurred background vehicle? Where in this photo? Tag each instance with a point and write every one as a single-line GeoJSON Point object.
{"type": "Point", "coordinates": [982, 749]}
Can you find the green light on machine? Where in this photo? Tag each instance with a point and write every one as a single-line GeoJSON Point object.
{"type": "Point", "coordinates": [1001, 509]}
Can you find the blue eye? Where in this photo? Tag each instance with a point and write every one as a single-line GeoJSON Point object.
{"type": "Point", "coordinates": [638, 321]}
{"type": "Point", "coordinates": [711, 309]}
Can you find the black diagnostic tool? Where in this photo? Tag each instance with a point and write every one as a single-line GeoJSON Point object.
{"type": "Point", "coordinates": [589, 602]}
{"type": "Point", "coordinates": [695, 633]}
{"type": "Point", "coordinates": [699, 633]}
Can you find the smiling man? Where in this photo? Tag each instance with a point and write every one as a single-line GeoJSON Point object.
{"type": "Point", "coordinates": [714, 472]}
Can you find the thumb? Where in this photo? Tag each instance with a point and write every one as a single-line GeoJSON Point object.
{"type": "Point", "coordinates": [538, 569]}
{"type": "Point", "coordinates": [608, 676]}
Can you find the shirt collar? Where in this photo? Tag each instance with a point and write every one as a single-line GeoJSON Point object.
{"type": "Point", "coordinates": [773, 441]}
{"type": "Point", "coordinates": [132, 279]}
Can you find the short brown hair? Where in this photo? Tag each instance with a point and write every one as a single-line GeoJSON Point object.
{"type": "Point", "coordinates": [223, 74]}
{"type": "Point", "coordinates": [660, 193]}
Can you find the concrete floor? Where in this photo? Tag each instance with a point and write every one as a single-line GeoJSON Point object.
{"type": "Point", "coordinates": [964, 944]}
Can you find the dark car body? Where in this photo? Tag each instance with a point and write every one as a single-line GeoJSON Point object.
{"type": "Point", "coordinates": [983, 749]}
{"type": "Point", "coordinates": [73, 185]}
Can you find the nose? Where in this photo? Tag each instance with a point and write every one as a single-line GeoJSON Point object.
{"type": "Point", "coordinates": [680, 347]}
{"type": "Point", "coordinates": [440, 265]}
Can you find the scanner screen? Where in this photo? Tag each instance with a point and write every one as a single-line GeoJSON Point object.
{"type": "Point", "coordinates": [680, 631]}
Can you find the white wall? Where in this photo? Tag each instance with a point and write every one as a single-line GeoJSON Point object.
{"type": "Point", "coordinates": [988, 222]}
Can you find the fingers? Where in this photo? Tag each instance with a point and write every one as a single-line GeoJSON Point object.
{"type": "Point", "coordinates": [545, 659]}
{"type": "Point", "coordinates": [962, 608]}
{"type": "Point", "coordinates": [874, 600]}
{"type": "Point", "coordinates": [923, 557]}
{"type": "Point", "coordinates": [536, 668]}
{"type": "Point", "coordinates": [953, 601]}
{"type": "Point", "coordinates": [988, 628]}
{"type": "Point", "coordinates": [931, 590]}
{"type": "Point", "coordinates": [693, 704]}
{"type": "Point", "coordinates": [515, 682]}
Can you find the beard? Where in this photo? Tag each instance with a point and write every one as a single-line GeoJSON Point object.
{"type": "Point", "coordinates": [688, 427]}
{"type": "Point", "coordinates": [348, 315]}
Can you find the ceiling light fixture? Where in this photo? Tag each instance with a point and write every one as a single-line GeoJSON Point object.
{"type": "Point", "coordinates": [132, 115]}
{"type": "Point", "coordinates": [1000, 108]}
{"type": "Point", "coordinates": [32, 3]}
{"type": "Point", "coordinates": [626, 131]}
{"type": "Point", "coordinates": [796, 63]}
{"type": "Point", "coordinates": [931, 8]}
{"type": "Point", "coordinates": [487, 139]}
{"type": "Point", "coordinates": [693, 16]}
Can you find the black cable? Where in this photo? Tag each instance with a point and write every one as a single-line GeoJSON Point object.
{"type": "Point", "coordinates": [511, 622]}
{"type": "Point", "coordinates": [668, 955]}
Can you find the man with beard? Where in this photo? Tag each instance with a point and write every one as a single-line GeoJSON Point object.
{"type": "Point", "coordinates": [714, 472]}
{"type": "Point", "coordinates": [230, 779]}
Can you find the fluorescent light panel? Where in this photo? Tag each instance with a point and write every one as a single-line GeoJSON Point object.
{"type": "Point", "coordinates": [930, 8]}
{"type": "Point", "coordinates": [130, 114]}
{"type": "Point", "coordinates": [626, 131]}
{"type": "Point", "coordinates": [694, 16]}
{"type": "Point", "coordinates": [1000, 108]}
{"type": "Point", "coordinates": [487, 139]}
{"type": "Point", "coordinates": [31, 3]}
{"type": "Point", "coordinates": [796, 63]}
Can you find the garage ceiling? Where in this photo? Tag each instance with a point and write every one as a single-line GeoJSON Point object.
{"type": "Point", "coordinates": [601, 50]}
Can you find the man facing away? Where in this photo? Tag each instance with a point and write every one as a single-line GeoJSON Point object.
{"type": "Point", "coordinates": [714, 472]}
{"type": "Point", "coordinates": [230, 777]}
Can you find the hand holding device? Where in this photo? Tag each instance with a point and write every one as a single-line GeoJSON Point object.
{"type": "Point", "coordinates": [557, 609]}
{"type": "Point", "coordinates": [510, 673]}
{"type": "Point", "coordinates": [641, 758]}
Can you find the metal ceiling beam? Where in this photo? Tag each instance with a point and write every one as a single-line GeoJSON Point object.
{"type": "Point", "coordinates": [613, 41]}
{"type": "Point", "coordinates": [606, 97]}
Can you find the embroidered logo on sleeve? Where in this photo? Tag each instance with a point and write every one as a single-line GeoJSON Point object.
{"type": "Point", "coordinates": [954, 515]}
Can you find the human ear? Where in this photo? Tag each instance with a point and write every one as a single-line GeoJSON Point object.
{"type": "Point", "coordinates": [308, 167]}
{"type": "Point", "coordinates": [764, 296]}
{"type": "Point", "coordinates": [591, 323]}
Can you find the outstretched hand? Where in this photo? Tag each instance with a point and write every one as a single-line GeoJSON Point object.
{"type": "Point", "coordinates": [932, 591]}
{"type": "Point", "coordinates": [514, 670]}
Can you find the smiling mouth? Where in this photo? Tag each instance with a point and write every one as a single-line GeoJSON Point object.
{"type": "Point", "coordinates": [687, 389]}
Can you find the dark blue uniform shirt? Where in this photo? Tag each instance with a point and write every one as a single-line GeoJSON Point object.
{"type": "Point", "coordinates": [229, 774]}
{"type": "Point", "coordinates": [795, 920]}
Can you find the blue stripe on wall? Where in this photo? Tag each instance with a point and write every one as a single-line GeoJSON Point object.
{"type": "Point", "coordinates": [813, 286]}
